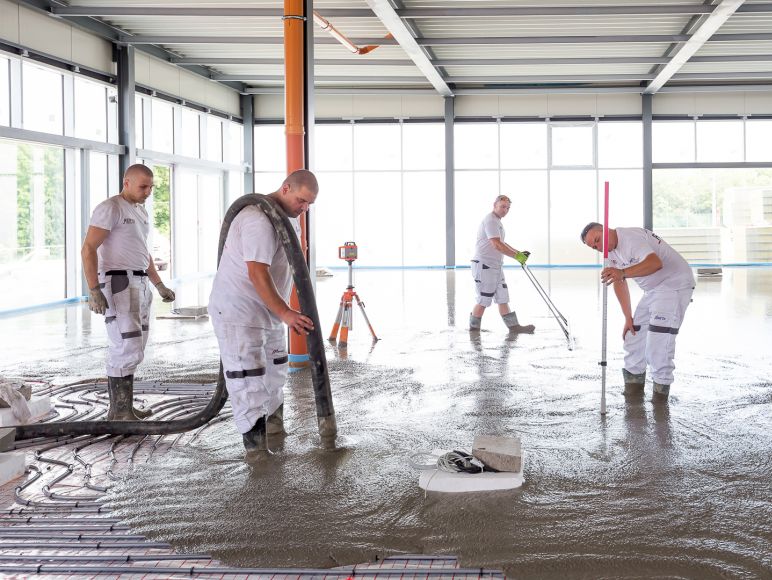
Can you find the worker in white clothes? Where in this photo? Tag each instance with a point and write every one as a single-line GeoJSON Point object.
{"type": "Point", "coordinates": [489, 281]}
{"type": "Point", "coordinates": [667, 282]}
{"type": "Point", "coordinates": [249, 308]}
{"type": "Point", "coordinates": [117, 266]}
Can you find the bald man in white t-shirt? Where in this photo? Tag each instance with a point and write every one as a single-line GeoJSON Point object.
{"type": "Point", "coordinates": [117, 265]}
{"type": "Point", "coordinates": [667, 282]}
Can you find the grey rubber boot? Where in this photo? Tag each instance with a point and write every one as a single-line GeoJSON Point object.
{"type": "Point", "coordinates": [661, 393]}
{"type": "Point", "coordinates": [474, 322]}
{"type": "Point", "coordinates": [275, 423]}
{"type": "Point", "coordinates": [633, 383]}
{"type": "Point", "coordinates": [121, 393]}
{"type": "Point", "coordinates": [513, 325]}
{"type": "Point", "coordinates": [254, 439]}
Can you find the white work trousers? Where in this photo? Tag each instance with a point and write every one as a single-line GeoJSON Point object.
{"type": "Point", "coordinates": [255, 365]}
{"type": "Point", "coordinates": [129, 298]}
{"type": "Point", "coordinates": [656, 321]}
{"type": "Point", "coordinates": [489, 283]}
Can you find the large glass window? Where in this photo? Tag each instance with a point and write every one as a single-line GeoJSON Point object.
{"type": "Point", "coordinates": [213, 138]}
{"type": "Point", "coordinates": [270, 149]}
{"type": "Point", "coordinates": [673, 142]}
{"type": "Point", "coordinates": [620, 144]}
{"type": "Point", "coordinates": [476, 145]}
{"type": "Point", "coordinates": [715, 215]}
{"type": "Point", "coordinates": [423, 146]}
{"type": "Point", "coordinates": [188, 142]}
{"type": "Point", "coordinates": [523, 145]}
{"type": "Point", "coordinates": [5, 91]}
{"type": "Point", "coordinates": [334, 147]}
{"type": "Point", "coordinates": [572, 145]}
{"type": "Point", "coordinates": [162, 131]}
{"type": "Point", "coordinates": [377, 147]}
{"type": "Point", "coordinates": [234, 145]}
{"type": "Point", "coordinates": [99, 189]}
{"type": "Point", "coordinates": [720, 141]}
{"type": "Point", "coordinates": [90, 110]}
{"type": "Point", "coordinates": [758, 139]}
{"type": "Point", "coordinates": [573, 203]}
{"type": "Point", "coordinates": [32, 268]}
{"type": "Point", "coordinates": [139, 122]}
{"type": "Point", "coordinates": [42, 91]}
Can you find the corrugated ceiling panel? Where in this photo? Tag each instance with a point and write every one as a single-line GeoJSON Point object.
{"type": "Point", "coordinates": [455, 71]}
{"type": "Point", "coordinates": [551, 25]}
{"type": "Point", "coordinates": [744, 47]}
{"type": "Point", "coordinates": [742, 23]}
{"type": "Point", "coordinates": [550, 51]}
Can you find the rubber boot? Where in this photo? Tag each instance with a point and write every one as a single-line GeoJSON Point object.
{"type": "Point", "coordinates": [661, 393]}
{"type": "Point", "coordinates": [512, 324]}
{"type": "Point", "coordinates": [474, 322]}
{"type": "Point", "coordinates": [121, 393]}
{"type": "Point", "coordinates": [254, 439]}
{"type": "Point", "coordinates": [633, 383]}
{"type": "Point", "coordinates": [274, 425]}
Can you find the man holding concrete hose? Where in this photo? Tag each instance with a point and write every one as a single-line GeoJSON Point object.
{"type": "Point", "coordinates": [490, 284]}
{"type": "Point", "coordinates": [117, 266]}
{"type": "Point", "coordinates": [667, 282]}
{"type": "Point", "coordinates": [249, 308]}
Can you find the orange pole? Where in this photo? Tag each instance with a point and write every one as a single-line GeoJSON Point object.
{"type": "Point", "coordinates": [294, 70]}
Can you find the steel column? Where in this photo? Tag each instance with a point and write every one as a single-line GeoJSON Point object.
{"type": "Point", "coordinates": [450, 185]}
{"type": "Point", "coordinates": [126, 88]}
{"type": "Point", "coordinates": [648, 207]}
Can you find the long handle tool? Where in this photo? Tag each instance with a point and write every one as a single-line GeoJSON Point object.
{"type": "Point", "coordinates": [562, 320]}
{"type": "Point", "coordinates": [602, 363]}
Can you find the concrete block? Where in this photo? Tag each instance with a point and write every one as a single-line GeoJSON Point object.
{"type": "Point", "coordinates": [39, 407]}
{"type": "Point", "coordinates": [25, 390]}
{"type": "Point", "coordinates": [12, 465]}
{"type": "Point", "coordinates": [7, 439]}
{"type": "Point", "coordinates": [501, 453]}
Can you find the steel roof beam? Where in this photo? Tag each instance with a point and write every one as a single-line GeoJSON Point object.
{"type": "Point", "coordinates": [394, 24]}
{"type": "Point", "coordinates": [323, 78]}
{"type": "Point", "coordinates": [706, 29]}
{"type": "Point", "coordinates": [276, 61]}
{"type": "Point", "coordinates": [444, 41]}
{"type": "Point", "coordinates": [410, 13]}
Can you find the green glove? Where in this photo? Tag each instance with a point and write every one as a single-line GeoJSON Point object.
{"type": "Point", "coordinates": [522, 257]}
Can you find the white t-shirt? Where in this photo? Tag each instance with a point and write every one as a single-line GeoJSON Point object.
{"type": "Point", "coordinates": [251, 238]}
{"type": "Point", "coordinates": [126, 246]}
{"type": "Point", "coordinates": [634, 244]}
{"type": "Point", "coordinates": [484, 251]}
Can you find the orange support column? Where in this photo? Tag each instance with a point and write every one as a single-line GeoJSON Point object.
{"type": "Point", "coordinates": [294, 128]}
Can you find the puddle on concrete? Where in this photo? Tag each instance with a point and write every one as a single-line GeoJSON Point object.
{"type": "Point", "coordinates": [647, 491]}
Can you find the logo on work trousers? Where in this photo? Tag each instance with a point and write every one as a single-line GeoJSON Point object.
{"type": "Point", "coordinates": [128, 220]}
{"type": "Point", "coordinates": [658, 317]}
{"type": "Point", "coordinates": [277, 351]}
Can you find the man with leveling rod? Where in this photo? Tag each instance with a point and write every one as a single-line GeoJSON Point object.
{"type": "Point", "coordinates": [667, 282]}
{"type": "Point", "coordinates": [489, 281]}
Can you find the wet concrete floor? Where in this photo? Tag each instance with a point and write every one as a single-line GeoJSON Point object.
{"type": "Point", "coordinates": [676, 491]}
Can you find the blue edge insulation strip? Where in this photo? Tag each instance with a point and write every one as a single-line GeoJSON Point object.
{"type": "Point", "coordinates": [35, 307]}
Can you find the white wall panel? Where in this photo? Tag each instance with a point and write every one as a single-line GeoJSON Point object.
{"type": "Point", "coordinates": [523, 106]}
{"type": "Point", "coordinates": [9, 21]}
{"type": "Point", "coordinates": [719, 103]}
{"type": "Point", "coordinates": [477, 106]}
{"type": "Point", "coordinates": [423, 106]}
{"type": "Point", "coordinates": [561, 105]}
{"type": "Point", "coordinates": [163, 77]}
{"type": "Point", "coordinates": [92, 51]}
{"type": "Point", "coordinates": [46, 34]}
{"type": "Point", "coordinates": [619, 104]}
{"type": "Point", "coordinates": [758, 103]}
{"type": "Point", "coordinates": [673, 104]}
{"type": "Point", "coordinates": [270, 106]}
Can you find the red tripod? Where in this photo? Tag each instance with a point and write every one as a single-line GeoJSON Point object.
{"type": "Point", "coordinates": [344, 321]}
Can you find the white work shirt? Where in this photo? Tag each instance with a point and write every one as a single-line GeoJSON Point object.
{"type": "Point", "coordinates": [126, 246]}
{"type": "Point", "coordinates": [484, 251]}
{"type": "Point", "coordinates": [251, 238]}
{"type": "Point", "coordinates": [634, 244]}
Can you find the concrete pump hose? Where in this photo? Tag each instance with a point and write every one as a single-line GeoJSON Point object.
{"type": "Point", "coordinates": [325, 412]}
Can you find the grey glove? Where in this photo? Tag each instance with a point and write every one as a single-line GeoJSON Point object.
{"type": "Point", "coordinates": [97, 301]}
{"type": "Point", "coordinates": [166, 294]}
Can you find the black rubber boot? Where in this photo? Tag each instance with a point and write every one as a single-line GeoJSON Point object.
{"type": "Point", "coordinates": [275, 423]}
{"type": "Point", "coordinates": [121, 392]}
{"type": "Point", "coordinates": [510, 319]}
{"type": "Point", "coordinates": [633, 383]}
{"type": "Point", "coordinates": [474, 322]}
{"type": "Point", "coordinates": [661, 393]}
{"type": "Point", "coordinates": [254, 439]}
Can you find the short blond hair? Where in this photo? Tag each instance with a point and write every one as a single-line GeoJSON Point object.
{"type": "Point", "coordinates": [502, 198]}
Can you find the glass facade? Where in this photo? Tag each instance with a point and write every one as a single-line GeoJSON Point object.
{"type": "Point", "coordinates": [48, 192]}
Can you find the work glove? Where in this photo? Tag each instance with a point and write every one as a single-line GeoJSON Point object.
{"type": "Point", "coordinates": [166, 293]}
{"type": "Point", "coordinates": [97, 301]}
{"type": "Point", "coordinates": [522, 257]}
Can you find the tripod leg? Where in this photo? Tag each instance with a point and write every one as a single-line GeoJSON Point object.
{"type": "Point", "coordinates": [336, 326]}
{"type": "Point", "coordinates": [367, 320]}
{"type": "Point", "coordinates": [345, 325]}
